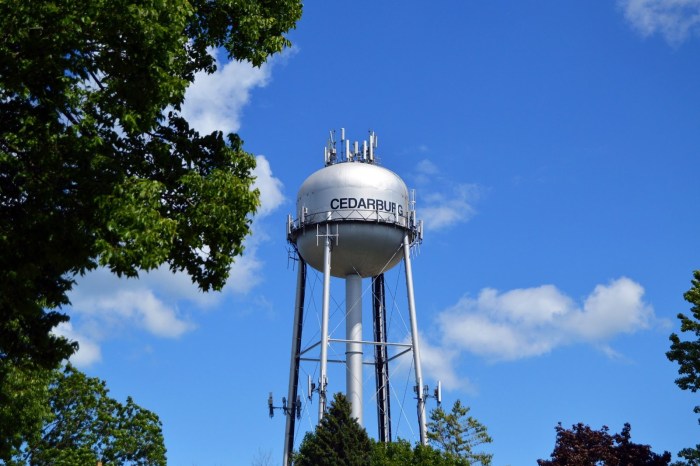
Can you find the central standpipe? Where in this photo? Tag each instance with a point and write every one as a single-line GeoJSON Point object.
{"type": "Point", "coordinates": [353, 346]}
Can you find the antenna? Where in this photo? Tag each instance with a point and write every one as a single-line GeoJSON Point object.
{"type": "Point", "coordinates": [310, 387]}
{"type": "Point", "coordinates": [290, 225]}
{"type": "Point", "coordinates": [371, 146]}
{"type": "Point", "coordinates": [329, 152]}
{"type": "Point", "coordinates": [342, 142]}
{"type": "Point", "coordinates": [293, 410]}
{"type": "Point", "coordinates": [437, 393]}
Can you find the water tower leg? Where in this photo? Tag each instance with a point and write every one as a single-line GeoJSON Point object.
{"type": "Point", "coordinates": [414, 340]}
{"type": "Point", "coordinates": [323, 378]}
{"type": "Point", "coordinates": [381, 360]}
{"type": "Point", "coordinates": [353, 347]}
{"type": "Point", "coordinates": [292, 393]}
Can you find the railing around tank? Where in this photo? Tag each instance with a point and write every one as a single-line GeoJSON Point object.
{"type": "Point", "coordinates": [407, 221]}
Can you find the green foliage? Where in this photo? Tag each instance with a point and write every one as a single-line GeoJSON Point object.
{"type": "Point", "coordinates": [691, 456]}
{"type": "Point", "coordinates": [24, 405]}
{"type": "Point", "coordinates": [687, 355]}
{"type": "Point", "coordinates": [400, 453]}
{"type": "Point", "coordinates": [74, 421]}
{"type": "Point", "coordinates": [458, 434]}
{"type": "Point", "coordinates": [338, 439]}
{"type": "Point", "coordinates": [392, 453]}
{"type": "Point", "coordinates": [583, 446]}
{"type": "Point", "coordinates": [98, 167]}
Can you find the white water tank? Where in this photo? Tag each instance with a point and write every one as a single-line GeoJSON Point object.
{"type": "Point", "coordinates": [368, 213]}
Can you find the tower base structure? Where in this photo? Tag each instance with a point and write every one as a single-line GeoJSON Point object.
{"type": "Point", "coordinates": [355, 347]}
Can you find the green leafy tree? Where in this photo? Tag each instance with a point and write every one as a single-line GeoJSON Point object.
{"type": "Point", "coordinates": [687, 355]}
{"type": "Point", "coordinates": [401, 453]}
{"type": "Point", "coordinates": [24, 408]}
{"type": "Point", "coordinates": [337, 440]}
{"type": "Point", "coordinates": [97, 165]}
{"type": "Point", "coordinates": [78, 423]}
{"type": "Point", "coordinates": [583, 446]}
{"type": "Point", "coordinates": [458, 434]}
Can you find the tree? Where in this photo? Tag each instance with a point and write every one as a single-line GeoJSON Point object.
{"type": "Point", "coordinates": [97, 165]}
{"type": "Point", "coordinates": [24, 406]}
{"type": "Point", "coordinates": [458, 434]}
{"type": "Point", "coordinates": [583, 446]}
{"type": "Point", "coordinates": [687, 355]}
{"type": "Point", "coordinates": [400, 453]}
{"type": "Point", "coordinates": [81, 424]}
{"type": "Point", "coordinates": [337, 440]}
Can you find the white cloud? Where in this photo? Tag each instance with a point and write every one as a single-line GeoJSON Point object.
{"type": "Point", "coordinates": [246, 271]}
{"type": "Point", "coordinates": [533, 321]}
{"type": "Point", "coordinates": [88, 352]}
{"type": "Point", "coordinates": [610, 310]}
{"type": "Point", "coordinates": [438, 364]}
{"type": "Point", "coordinates": [215, 101]}
{"type": "Point", "coordinates": [271, 195]}
{"type": "Point", "coordinates": [527, 306]}
{"type": "Point", "coordinates": [441, 210]}
{"type": "Point", "coordinates": [441, 202]}
{"type": "Point", "coordinates": [104, 305]}
{"type": "Point", "coordinates": [125, 303]}
{"type": "Point", "coordinates": [427, 167]}
{"type": "Point", "coordinates": [674, 19]}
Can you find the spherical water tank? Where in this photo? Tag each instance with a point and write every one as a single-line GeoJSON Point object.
{"type": "Point", "coordinates": [367, 210]}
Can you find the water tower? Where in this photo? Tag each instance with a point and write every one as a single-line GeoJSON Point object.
{"type": "Point", "coordinates": [354, 221]}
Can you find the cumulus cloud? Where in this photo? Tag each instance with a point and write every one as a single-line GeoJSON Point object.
{"type": "Point", "coordinates": [88, 352]}
{"type": "Point", "coordinates": [441, 202]}
{"type": "Point", "coordinates": [676, 20]}
{"type": "Point", "coordinates": [440, 210]}
{"type": "Point", "coordinates": [108, 303]}
{"type": "Point", "coordinates": [103, 304]}
{"type": "Point", "coordinates": [271, 194]}
{"type": "Point", "coordinates": [214, 102]}
{"type": "Point", "coordinates": [529, 322]}
{"type": "Point", "coordinates": [439, 364]}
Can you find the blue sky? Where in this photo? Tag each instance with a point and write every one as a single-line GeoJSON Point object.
{"type": "Point", "coordinates": [553, 147]}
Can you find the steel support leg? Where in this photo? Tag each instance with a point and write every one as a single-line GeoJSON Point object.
{"type": "Point", "coordinates": [381, 360]}
{"type": "Point", "coordinates": [323, 378]}
{"type": "Point", "coordinates": [292, 393]}
{"type": "Point", "coordinates": [414, 340]}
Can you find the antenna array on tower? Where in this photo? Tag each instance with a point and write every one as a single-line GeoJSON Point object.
{"type": "Point", "coordinates": [350, 153]}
